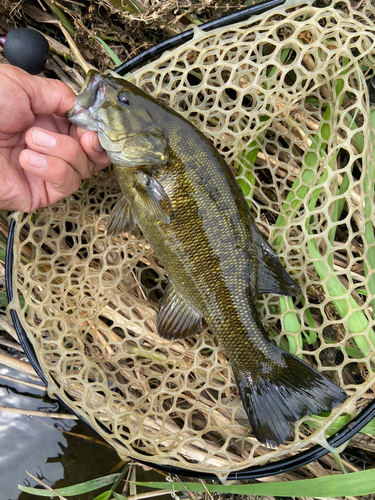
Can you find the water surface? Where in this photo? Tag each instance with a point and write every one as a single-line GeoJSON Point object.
{"type": "Point", "coordinates": [45, 447]}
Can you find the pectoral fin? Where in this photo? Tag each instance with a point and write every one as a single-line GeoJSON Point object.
{"type": "Point", "coordinates": [176, 319]}
{"type": "Point", "coordinates": [154, 197]}
{"type": "Point", "coordinates": [121, 219]}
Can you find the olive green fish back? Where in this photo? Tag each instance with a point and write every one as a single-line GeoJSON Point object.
{"type": "Point", "coordinates": [285, 101]}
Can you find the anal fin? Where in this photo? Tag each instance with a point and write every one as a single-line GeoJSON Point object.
{"type": "Point", "coordinates": [176, 319]}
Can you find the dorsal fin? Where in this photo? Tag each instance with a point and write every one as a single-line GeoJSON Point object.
{"type": "Point", "coordinates": [176, 319]}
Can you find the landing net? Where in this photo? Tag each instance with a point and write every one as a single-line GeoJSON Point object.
{"type": "Point", "coordinates": [284, 98]}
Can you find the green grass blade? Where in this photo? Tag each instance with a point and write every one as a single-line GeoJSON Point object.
{"type": "Point", "coordinates": [106, 495]}
{"type": "Point", "coordinates": [343, 485]}
{"type": "Point", "coordinates": [109, 51]}
{"type": "Point", "coordinates": [369, 231]}
{"type": "Point", "coordinates": [291, 324]}
{"type": "Point", "coordinates": [76, 489]}
{"type": "Point", "coordinates": [357, 321]}
{"type": "Point", "coordinates": [117, 496]}
{"type": "Point", "coordinates": [309, 335]}
{"type": "Point", "coordinates": [62, 17]}
{"type": "Point", "coordinates": [340, 422]}
{"type": "Point", "coordinates": [369, 428]}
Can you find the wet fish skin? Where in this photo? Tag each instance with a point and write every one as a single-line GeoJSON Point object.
{"type": "Point", "coordinates": [180, 192]}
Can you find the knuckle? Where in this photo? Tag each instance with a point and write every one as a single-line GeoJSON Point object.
{"type": "Point", "coordinates": [73, 152]}
{"type": "Point", "coordinates": [78, 159]}
{"type": "Point", "coordinates": [90, 168]}
{"type": "Point", "coordinates": [59, 87]}
{"type": "Point", "coordinates": [77, 184]}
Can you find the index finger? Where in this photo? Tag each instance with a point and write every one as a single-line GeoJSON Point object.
{"type": "Point", "coordinates": [46, 96]}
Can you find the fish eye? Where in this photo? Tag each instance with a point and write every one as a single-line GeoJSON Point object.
{"type": "Point", "coordinates": [123, 98]}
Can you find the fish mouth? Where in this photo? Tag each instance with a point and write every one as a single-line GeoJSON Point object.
{"type": "Point", "coordinates": [91, 89]}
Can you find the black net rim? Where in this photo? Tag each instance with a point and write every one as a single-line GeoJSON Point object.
{"type": "Point", "coordinates": [259, 471]}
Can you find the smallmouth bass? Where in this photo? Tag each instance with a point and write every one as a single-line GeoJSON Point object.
{"type": "Point", "coordinates": [180, 192]}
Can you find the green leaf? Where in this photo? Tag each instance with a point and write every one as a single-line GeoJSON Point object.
{"type": "Point", "coordinates": [76, 489]}
{"type": "Point", "coordinates": [340, 422]}
{"type": "Point", "coordinates": [106, 495]}
{"type": "Point", "coordinates": [369, 428]}
{"type": "Point", "coordinates": [109, 51]}
{"type": "Point", "coordinates": [252, 155]}
{"type": "Point", "coordinates": [61, 16]}
{"type": "Point", "coordinates": [117, 496]}
{"type": "Point", "coordinates": [343, 485]}
{"type": "Point", "coordinates": [291, 324]}
{"type": "Point", "coordinates": [335, 426]}
{"type": "Point", "coordinates": [245, 188]}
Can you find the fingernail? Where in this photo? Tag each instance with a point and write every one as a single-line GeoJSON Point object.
{"type": "Point", "coordinates": [96, 146]}
{"type": "Point", "coordinates": [35, 159]}
{"type": "Point", "coordinates": [41, 138]}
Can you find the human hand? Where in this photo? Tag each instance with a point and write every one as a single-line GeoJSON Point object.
{"type": "Point", "coordinates": [43, 157]}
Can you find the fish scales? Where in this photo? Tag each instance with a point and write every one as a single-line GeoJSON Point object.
{"type": "Point", "coordinates": [180, 192]}
{"type": "Point", "coordinates": [198, 249]}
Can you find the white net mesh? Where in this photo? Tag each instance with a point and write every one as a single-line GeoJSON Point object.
{"type": "Point", "coordinates": [284, 99]}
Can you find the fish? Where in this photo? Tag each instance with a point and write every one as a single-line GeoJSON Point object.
{"type": "Point", "coordinates": [179, 191]}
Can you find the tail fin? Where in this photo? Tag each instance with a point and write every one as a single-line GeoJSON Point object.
{"type": "Point", "coordinates": [282, 394]}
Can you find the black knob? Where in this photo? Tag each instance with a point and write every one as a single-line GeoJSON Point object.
{"type": "Point", "coordinates": [26, 49]}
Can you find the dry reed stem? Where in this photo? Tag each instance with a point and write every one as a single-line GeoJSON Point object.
{"type": "Point", "coordinates": [23, 382]}
{"type": "Point", "coordinates": [46, 486]}
{"type": "Point", "coordinates": [36, 413]}
{"type": "Point", "coordinates": [24, 367]}
{"type": "Point", "coordinates": [5, 325]}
